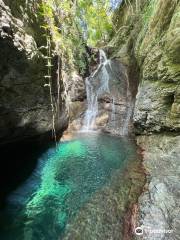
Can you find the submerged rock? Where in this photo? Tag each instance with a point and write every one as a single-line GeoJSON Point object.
{"type": "Point", "coordinates": [106, 214]}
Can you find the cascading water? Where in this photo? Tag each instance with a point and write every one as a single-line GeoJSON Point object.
{"type": "Point", "coordinates": [103, 57]}
{"type": "Point", "coordinates": [96, 85]}
{"type": "Point", "coordinates": [110, 82]}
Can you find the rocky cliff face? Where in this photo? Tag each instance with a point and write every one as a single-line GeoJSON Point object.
{"type": "Point", "coordinates": [159, 206]}
{"type": "Point", "coordinates": [109, 83]}
{"type": "Point", "coordinates": [148, 43]}
{"type": "Point", "coordinates": [147, 39]}
{"type": "Point", "coordinates": [24, 101]}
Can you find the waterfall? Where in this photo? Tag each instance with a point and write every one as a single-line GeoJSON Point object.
{"type": "Point", "coordinates": [109, 80]}
{"type": "Point", "coordinates": [92, 110]}
{"type": "Point", "coordinates": [103, 57]}
{"type": "Point", "coordinates": [96, 85]}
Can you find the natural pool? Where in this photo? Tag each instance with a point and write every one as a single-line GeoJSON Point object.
{"type": "Point", "coordinates": [65, 180]}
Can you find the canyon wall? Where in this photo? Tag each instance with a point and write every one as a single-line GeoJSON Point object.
{"type": "Point", "coordinates": [144, 53]}
{"type": "Point", "coordinates": [148, 43]}
{"type": "Point", "coordinates": [148, 40]}
{"type": "Point", "coordinates": [146, 46]}
{"type": "Point", "coordinates": [25, 106]}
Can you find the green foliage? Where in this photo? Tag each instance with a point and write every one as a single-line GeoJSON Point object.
{"type": "Point", "coordinates": [97, 19]}
{"type": "Point", "coordinates": [73, 25]}
{"type": "Point", "coordinates": [148, 11]}
{"type": "Point", "coordinates": [61, 27]}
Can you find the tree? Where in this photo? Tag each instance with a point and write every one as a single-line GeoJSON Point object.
{"type": "Point", "coordinates": [96, 16]}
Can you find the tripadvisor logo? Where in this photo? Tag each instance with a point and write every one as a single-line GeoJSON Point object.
{"type": "Point", "coordinates": [144, 229]}
{"type": "Point", "coordinates": [139, 231]}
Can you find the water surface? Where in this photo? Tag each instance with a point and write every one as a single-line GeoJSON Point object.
{"type": "Point", "coordinates": [64, 181]}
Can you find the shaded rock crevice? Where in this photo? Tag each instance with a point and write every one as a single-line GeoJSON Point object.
{"type": "Point", "coordinates": [24, 101]}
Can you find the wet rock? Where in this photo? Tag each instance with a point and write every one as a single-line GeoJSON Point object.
{"type": "Point", "coordinates": [159, 206]}
{"type": "Point", "coordinates": [115, 102]}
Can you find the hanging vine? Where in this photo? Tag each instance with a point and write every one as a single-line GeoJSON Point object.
{"type": "Point", "coordinates": [67, 37]}
{"type": "Point", "coordinates": [47, 13]}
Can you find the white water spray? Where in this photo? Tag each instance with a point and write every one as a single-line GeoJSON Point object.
{"type": "Point", "coordinates": [96, 85]}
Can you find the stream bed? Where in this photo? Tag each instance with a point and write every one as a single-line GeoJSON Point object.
{"type": "Point", "coordinates": [75, 188]}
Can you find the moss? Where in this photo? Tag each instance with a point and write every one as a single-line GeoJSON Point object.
{"type": "Point", "coordinates": [152, 39]}
{"type": "Point", "coordinates": [148, 11]}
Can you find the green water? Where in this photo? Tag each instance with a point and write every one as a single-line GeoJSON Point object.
{"type": "Point", "coordinates": [64, 180]}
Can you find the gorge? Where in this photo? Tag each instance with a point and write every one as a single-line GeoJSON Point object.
{"type": "Point", "coordinates": [90, 120]}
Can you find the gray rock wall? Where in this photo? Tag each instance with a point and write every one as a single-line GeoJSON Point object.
{"type": "Point", "coordinates": [159, 207]}
{"type": "Point", "coordinates": [158, 99]}
{"type": "Point", "coordinates": [147, 40]}
{"type": "Point", "coordinates": [25, 109]}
